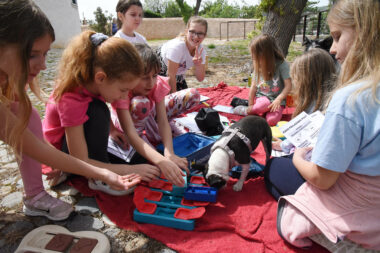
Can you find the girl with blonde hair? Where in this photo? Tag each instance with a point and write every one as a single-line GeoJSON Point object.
{"type": "Point", "coordinates": [313, 76]}
{"type": "Point", "coordinates": [24, 43]}
{"type": "Point", "coordinates": [94, 69]}
{"type": "Point", "coordinates": [181, 53]}
{"type": "Point", "coordinates": [341, 196]}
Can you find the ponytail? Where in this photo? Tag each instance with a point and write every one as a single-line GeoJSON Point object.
{"type": "Point", "coordinates": [88, 51]}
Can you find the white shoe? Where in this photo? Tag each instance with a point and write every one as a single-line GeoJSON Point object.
{"type": "Point", "coordinates": [98, 185]}
{"type": "Point", "coordinates": [240, 110]}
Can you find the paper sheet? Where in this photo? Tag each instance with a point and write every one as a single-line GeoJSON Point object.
{"type": "Point", "coordinates": [223, 108]}
{"type": "Point", "coordinates": [302, 131]}
{"type": "Point", "coordinates": [116, 150]}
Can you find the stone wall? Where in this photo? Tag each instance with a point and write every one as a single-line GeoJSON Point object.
{"type": "Point", "coordinates": [167, 28]}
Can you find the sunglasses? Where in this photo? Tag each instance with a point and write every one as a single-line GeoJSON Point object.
{"type": "Point", "coordinates": [199, 35]}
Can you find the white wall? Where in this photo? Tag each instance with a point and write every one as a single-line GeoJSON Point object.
{"type": "Point", "coordinates": [64, 17]}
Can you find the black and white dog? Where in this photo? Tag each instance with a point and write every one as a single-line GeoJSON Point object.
{"type": "Point", "coordinates": [234, 147]}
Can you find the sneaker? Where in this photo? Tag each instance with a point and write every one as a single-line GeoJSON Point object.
{"type": "Point", "coordinates": [98, 185]}
{"type": "Point", "coordinates": [239, 101]}
{"type": "Point", "coordinates": [44, 204]}
{"type": "Point", "coordinates": [240, 110]}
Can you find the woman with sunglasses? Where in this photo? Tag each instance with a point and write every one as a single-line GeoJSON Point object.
{"type": "Point", "coordinates": [180, 54]}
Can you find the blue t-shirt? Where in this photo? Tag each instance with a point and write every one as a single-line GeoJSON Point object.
{"type": "Point", "coordinates": [349, 138]}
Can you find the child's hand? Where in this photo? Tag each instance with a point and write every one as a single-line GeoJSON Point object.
{"type": "Point", "coordinates": [275, 105]}
{"type": "Point", "coordinates": [172, 172]}
{"type": "Point", "coordinates": [276, 145]}
{"type": "Point", "coordinates": [300, 153]}
{"type": "Point", "coordinates": [197, 59]}
{"type": "Point", "coordinates": [180, 161]}
{"type": "Point", "coordinates": [146, 171]}
{"type": "Point", "coordinates": [119, 138]}
{"type": "Point", "coordinates": [119, 183]}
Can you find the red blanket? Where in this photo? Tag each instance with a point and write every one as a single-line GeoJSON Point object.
{"type": "Point", "coordinates": [239, 222]}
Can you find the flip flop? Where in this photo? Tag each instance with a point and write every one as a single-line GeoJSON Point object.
{"type": "Point", "coordinates": [54, 238]}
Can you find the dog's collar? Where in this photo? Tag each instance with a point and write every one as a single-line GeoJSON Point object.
{"type": "Point", "coordinates": [223, 143]}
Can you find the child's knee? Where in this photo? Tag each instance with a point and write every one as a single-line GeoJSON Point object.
{"type": "Point", "coordinates": [274, 117]}
{"type": "Point", "coordinates": [272, 121]}
{"type": "Point", "coordinates": [293, 226]}
{"type": "Point", "coordinates": [140, 107]}
{"type": "Point", "coordinates": [191, 97]}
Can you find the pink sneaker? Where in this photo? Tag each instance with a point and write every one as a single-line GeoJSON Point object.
{"type": "Point", "coordinates": [44, 204]}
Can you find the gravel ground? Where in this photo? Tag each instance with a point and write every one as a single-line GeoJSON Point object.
{"type": "Point", "coordinates": [14, 225]}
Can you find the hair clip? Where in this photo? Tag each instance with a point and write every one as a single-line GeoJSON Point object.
{"type": "Point", "coordinates": [98, 38]}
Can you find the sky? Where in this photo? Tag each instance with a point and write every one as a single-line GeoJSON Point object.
{"type": "Point", "coordinates": [87, 7]}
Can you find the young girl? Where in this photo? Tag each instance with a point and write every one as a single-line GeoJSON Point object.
{"type": "Point", "coordinates": [147, 109]}
{"type": "Point", "coordinates": [23, 47]}
{"type": "Point", "coordinates": [180, 54]}
{"type": "Point", "coordinates": [77, 119]}
{"type": "Point", "coordinates": [271, 82]}
{"type": "Point", "coordinates": [341, 196]}
{"type": "Point", "coordinates": [313, 77]}
{"type": "Point", "coordinates": [129, 17]}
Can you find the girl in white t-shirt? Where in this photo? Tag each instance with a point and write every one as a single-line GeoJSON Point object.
{"type": "Point", "coordinates": [180, 54]}
{"type": "Point", "coordinates": [129, 18]}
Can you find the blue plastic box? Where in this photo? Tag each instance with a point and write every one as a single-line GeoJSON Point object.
{"type": "Point", "coordinates": [194, 147]}
{"type": "Point", "coordinates": [164, 216]}
{"type": "Point", "coordinates": [207, 194]}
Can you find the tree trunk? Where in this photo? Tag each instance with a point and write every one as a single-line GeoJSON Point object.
{"type": "Point", "coordinates": [197, 6]}
{"type": "Point", "coordinates": [282, 20]}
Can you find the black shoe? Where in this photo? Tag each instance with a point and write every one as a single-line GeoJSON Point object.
{"type": "Point", "coordinates": [239, 101]}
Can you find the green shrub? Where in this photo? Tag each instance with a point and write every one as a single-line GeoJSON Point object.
{"type": "Point", "coordinates": [151, 14]}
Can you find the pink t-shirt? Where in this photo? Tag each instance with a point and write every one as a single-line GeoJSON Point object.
{"type": "Point", "coordinates": [159, 91]}
{"type": "Point", "coordinates": [69, 111]}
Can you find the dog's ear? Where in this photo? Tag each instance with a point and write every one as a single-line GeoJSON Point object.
{"type": "Point", "coordinates": [197, 166]}
{"type": "Point", "coordinates": [306, 42]}
{"type": "Point", "coordinates": [326, 43]}
{"type": "Point", "coordinates": [216, 181]}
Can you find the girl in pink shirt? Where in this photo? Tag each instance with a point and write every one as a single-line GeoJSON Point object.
{"type": "Point", "coordinates": [77, 119]}
{"type": "Point", "coordinates": [24, 43]}
{"type": "Point", "coordinates": [144, 114]}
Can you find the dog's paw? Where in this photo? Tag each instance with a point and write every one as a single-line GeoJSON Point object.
{"type": "Point", "coordinates": [238, 187]}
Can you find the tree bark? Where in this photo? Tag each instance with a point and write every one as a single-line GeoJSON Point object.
{"type": "Point", "coordinates": [282, 20]}
{"type": "Point", "coordinates": [197, 6]}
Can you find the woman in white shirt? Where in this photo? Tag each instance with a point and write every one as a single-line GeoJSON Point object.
{"type": "Point", "coordinates": [180, 54]}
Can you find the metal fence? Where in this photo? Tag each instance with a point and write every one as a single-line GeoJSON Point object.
{"type": "Point", "coordinates": [313, 24]}
{"type": "Point", "coordinates": [227, 23]}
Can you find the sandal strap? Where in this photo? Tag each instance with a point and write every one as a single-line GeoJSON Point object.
{"type": "Point", "coordinates": [45, 198]}
{"type": "Point", "coordinates": [37, 197]}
